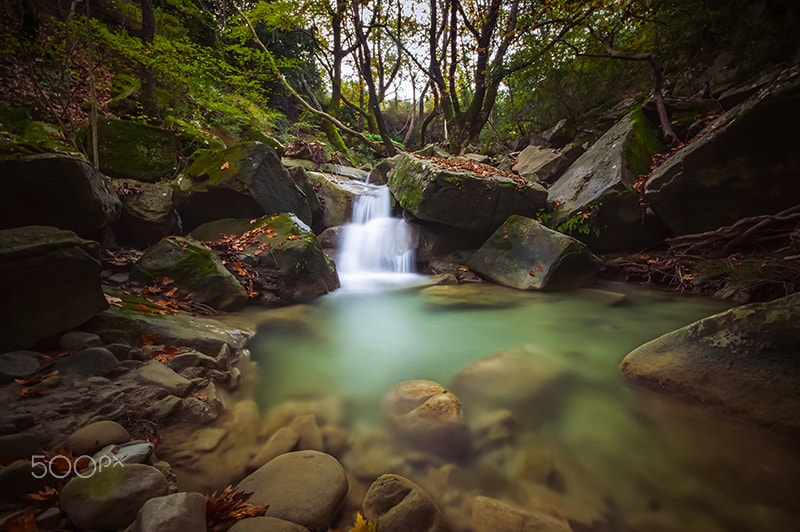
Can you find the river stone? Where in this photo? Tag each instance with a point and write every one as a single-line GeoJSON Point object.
{"type": "Point", "coordinates": [18, 364]}
{"type": "Point", "coordinates": [491, 515]}
{"type": "Point", "coordinates": [147, 215]}
{"type": "Point", "coordinates": [743, 362]}
{"type": "Point", "coordinates": [17, 478]}
{"type": "Point", "coordinates": [163, 408]}
{"type": "Point", "coordinates": [88, 362]}
{"type": "Point", "coordinates": [50, 283]}
{"type": "Point", "coordinates": [310, 437]}
{"type": "Point", "coordinates": [20, 445]}
{"type": "Point", "coordinates": [428, 417]}
{"type": "Point", "coordinates": [159, 374]}
{"type": "Point", "coordinates": [526, 255]}
{"type": "Point", "coordinates": [245, 181]}
{"type": "Point", "coordinates": [58, 191]}
{"type": "Point", "coordinates": [109, 498]}
{"type": "Point", "coordinates": [180, 362]}
{"type": "Point", "coordinates": [178, 512]}
{"type": "Point", "coordinates": [76, 340]}
{"type": "Point", "coordinates": [95, 436]}
{"type": "Point", "coordinates": [284, 440]}
{"type": "Point", "coordinates": [511, 378]}
{"type": "Point", "coordinates": [739, 166]}
{"type": "Point", "coordinates": [399, 505]}
{"type": "Point", "coordinates": [195, 269]}
{"type": "Point", "coordinates": [266, 524]}
{"type": "Point", "coordinates": [304, 487]}
{"type": "Point", "coordinates": [461, 199]}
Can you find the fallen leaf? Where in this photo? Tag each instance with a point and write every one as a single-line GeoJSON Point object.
{"type": "Point", "coordinates": [30, 392]}
{"type": "Point", "coordinates": [36, 379]}
{"type": "Point", "coordinates": [148, 339]}
{"type": "Point", "coordinates": [142, 307]}
{"type": "Point", "coordinates": [225, 166]}
{"type": "Point", "coordinates": [48, 494]}
{"type": "Point", "coordinates": [25, 522]}
{"type": "Point", "coordinates": [117, 302]}
{"type": "Point", "coordinates": [228, 507]}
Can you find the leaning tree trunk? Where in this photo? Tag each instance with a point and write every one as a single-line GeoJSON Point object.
{"type": "Point", "coordinates": [148, 80]}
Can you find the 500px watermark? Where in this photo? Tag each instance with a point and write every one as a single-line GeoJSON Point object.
{"type": "Point", "coordinates": [61, 466]}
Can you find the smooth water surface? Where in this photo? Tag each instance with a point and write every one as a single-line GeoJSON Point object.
{"type": "Point", "coordinates": [656, 457]}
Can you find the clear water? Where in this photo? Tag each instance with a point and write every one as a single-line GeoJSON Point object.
{"type": "Point", "coordinates": [661, 459]}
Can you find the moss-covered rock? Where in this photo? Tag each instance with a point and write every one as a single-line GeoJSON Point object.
{"type": "Point", "coordinates": [244, 181]}
{"type": "Point", "coordinates": [526, 255]}
{"type": "Point", "coordinates": [148, 214]}
{"type": "Point", "coordinates": [132, 150]}
{"type": "Point", "coordinates": [460, 199]}
{"type": "Point", "coordinates": [195, 269]}
{"type": "Point", "coordinates": [743, 362]}
{"type": "Point", "coordinates": [337, 196]}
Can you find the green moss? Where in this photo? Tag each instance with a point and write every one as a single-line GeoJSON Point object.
{"type": "Point", "coordinates": [103, 482]}
{"type": "Point", "coordinates": [642, 143]}
{"type": "Point", "coordinates": [131, 150]}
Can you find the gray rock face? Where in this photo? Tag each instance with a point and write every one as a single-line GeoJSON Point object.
{"type": "Point", "coordinates": [545, 164]}
{"type": "Point", "coordinates": [460, 199]}
{"type": "Point", "coordinates": [88, 362]}
{"type": "Point", "coordinates": [425, 415]}
{"type": "Point", "coordinates": [50, 283]}
{"type": "Point", "coordinates": [132, 150]}
{"type": "Point", "coordinates": [743, 362]}
{"type": "Point", "coordinates": [95, 436]}
{"type": "Point", "coordinates": [195, 269]}
{"type": "Point", "coordinates": [148, 215]}
{"type": "Point", "coordinates": [739, 167]}
{"type": "Point", "coordinates": [159, 374]}
{"type": "Point", "coordinates": [110, 499]}
{"type": "Point", "coordinates": [304, 487]}
{"type": "Point", "coordinates": [338, 195]}
{"type": "Point", "coordinates": [244, 181]}
{"type": "Point", "coordinates": [399, 505]}
{"type": "Point", "coordinates": [178, 512]}
{"type": "Point", "coordinates": [59, 191]}
{"type": "Point", "coordinates": [526, 255]}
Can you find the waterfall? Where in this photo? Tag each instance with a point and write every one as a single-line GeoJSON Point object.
{"type": "Point", "coordinates": [375, 248]}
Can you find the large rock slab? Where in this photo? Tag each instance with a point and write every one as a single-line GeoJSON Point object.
{"type": "Point", "coordinates": [545, 164]}
{"type": "Point", "coordinates": [132, 150]}
{"type": "Point", "coordinates": [148, 214]}
{"type": "Point", "coordinates": [399, 505]}
{"type": "Point", "coordinates": [57, 190]}
{"type": "Point", "coordinates": [526, 255]}
{"type": "Point", "coordinates": [195, 269]}
{"type": "Point", "coordinates": [600, 184]}
{"type": "Point", "coordinates": [461, 199]}
{"type": "Point", "coordinates": [743, 362]}
{"type": "Point", "coordinates": [49, 281]}
{"type": "Point", "coordinates": [244, 181]}
{"type": "Point", "coordinates": [304, 487]}
{"type": "Point", "coordinates": [739, 167]}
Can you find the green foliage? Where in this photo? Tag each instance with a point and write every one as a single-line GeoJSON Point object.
{"type": "Point", "coordinates": [583, 222]}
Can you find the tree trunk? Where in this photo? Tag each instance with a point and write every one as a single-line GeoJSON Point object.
{"type": "Point", "coordinates": [148, 80]}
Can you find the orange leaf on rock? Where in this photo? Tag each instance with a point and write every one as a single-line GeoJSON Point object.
{"type": "Point", "coordinates": [225, 166]}
{"type": "Point", "coordinates": [142, 307]}
{"type": "Point", "coordinates": [36, 379]}
{"type": "Point", "coordinates": [148, 339]}
{"type": "Point", "coordinates": [30, 392]}
{"type": "Point", "coordinates": [25, 522]}
{"type": "Point", "coordinates": [48, 494]}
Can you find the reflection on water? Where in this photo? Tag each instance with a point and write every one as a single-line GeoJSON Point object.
{"type": "Point", "coordinates": [661, 462]}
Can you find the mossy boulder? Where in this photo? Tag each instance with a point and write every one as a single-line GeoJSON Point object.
{"type": "Point", "coordinates": [148, 214]}
{"type": "Point", "coordinates": [742, 362]}
{"type": "Point", "coordinates": [460, 199]}
{"type": "Point", "coordinates": [195, 269]}
{"type": "Point", "coordinates": [243, 181]}
{"type": "Point", "coordinates": [740, 166]}
{"type": "Point", "coordinates": [132, 150]}
{"type": "Point", "coordinates": [49, 281]}
{"type": "Point", "coordinates": [336, 197]}
{"type": "Point", "coordinates": [526, 255]}
{"type": "Point", "coordinates": [56, 190]}
{"type": "Point", "coordinates": [600, 183]}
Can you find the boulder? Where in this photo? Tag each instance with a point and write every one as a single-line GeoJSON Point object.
{"type": "Point", "coordinates": [59, 191]}
{"type": "Point", "coordinates": [178, 512]}
{"type": "Point", "coordinates": [95, 436]}
{"type": "Point", "coordinates": [428, 417]}
{"type": "Point", "coordinates": [336, 197]}
{"type": "Point", "coordinates": [109, 498]}
{"type": "Point", "coordinates": [148, 214]}
{"type": "Point", "coordinates": [194, 269]}
{"type": "Point", "coordinates": [526, 255]}
{"type": "Point", "coordinates": [398, 505]}
{"type": "Point", "coordinates": [304, 487]}
{"type": "Point", "coordinates": [50, 281]}
{"type": "Point", "coordinates": [595, 196]}
{"type": "Point", "coordinates": [739, 166]}
{"type": "Point", "coordinates": [88, 362]}
{"type": "Point", "coordinates": [210, 231]}
{"type": "Point", "coordinates": [485, 514]}
{"type": "Point", "coordinates": [133, 150]}
{"type": "Point", "coordinates": [536, 163]}
{"type": "Point", "coordinates": [743, 362]}
{"type": "Point", "coordinates": [246, 180]}
{"type": "Point", "coordinates": [461, 199]}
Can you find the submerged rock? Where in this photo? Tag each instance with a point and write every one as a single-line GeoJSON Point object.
{"type": "Point", "coordinates": [178, 512]}
{"type": "Point", "coordinates": [526, 255]}
{"type": "Point", "coordinates": [485, 514]}
{"type": "Point", "coordinates": [398, 505]}
{"type": "Point", "coordinates": [743, 362]}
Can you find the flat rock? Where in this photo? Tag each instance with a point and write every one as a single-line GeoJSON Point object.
{"type": "Point", "coordinates": [178, 512]}
{"type": "Point", "coordinates": [159, 374]}
{"type": "Point", "coordinates": [95, 436]}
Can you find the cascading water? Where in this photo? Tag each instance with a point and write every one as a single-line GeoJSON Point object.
{"type": "Point", "coordinates": [376, 249]}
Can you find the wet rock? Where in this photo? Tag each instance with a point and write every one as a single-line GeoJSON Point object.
{"type": "Point", "coordinates": [336, 440]}
{"type": "Point", "coordinates": [179, 512]}
{"type": "Point", "coordinates": [465, 296]}
{"type": "Point", "coordinates": [121, 351]}
{"type": "Point", "coordinates": [159, 374]}
{"type": "Point", "coordinates": [185, 360]}
{"type": "Point", "coordinates": [742, 362]}
{"type": "Point", "coordinates": [163, 408]}
{"type": "Point", "coordinates": [208, 439]}
{"type": "Point", "coordinates": [166, 469]}
{"type": "Point", "coordinates": [493, 429]}
{"type": "Point", "coordinates": [77, 340]}
{"type": "Point", "coordinates": [18, 364]}
{"type": "Point", "coordinates": [337, 196]}
{"type": "Point", "coordinates": [526, 255]}
{"type": "Point", "coordinates": [111, 497]}
{"type": "Point", "coordinates": [49, 519]}
{"type": "Point", "coordinates": [284, 440]}
{"type": "Point", "coordinates": [309, 435]}
{"type": "Point", "coordinates": [20, 445]}
{"type": "Point", "coordinates": [148, 215]}
{"type": "Point", "coordinates": [304, 487]}
{"type": "Point", "coordinates": [491, 515]}
{"type": "Point", "coordinates": [327, 410]}
{"type": "Point", "coordinates": [17, 478]}
{"type": "Point", "coordinates": [428, 417]}
{"type": "Point", "coordinates": [133, 150]}
{"type": "Point", "coordinates": [266, 524]}
{"type": "Point", "coordinates": [194, 269]}
{"type": "Point", "coordinates": [93, 437]}
{"type": "Point", "coordinates": [86, 362]}
{"type": "Point", "coordinates": [399, 505]}
{"type": "Point", "coordinates": [372, 455]}
{"type": "Point", "coordinates": [50, 281]}
{"type": "Point", "coordinates": [195, 410]}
